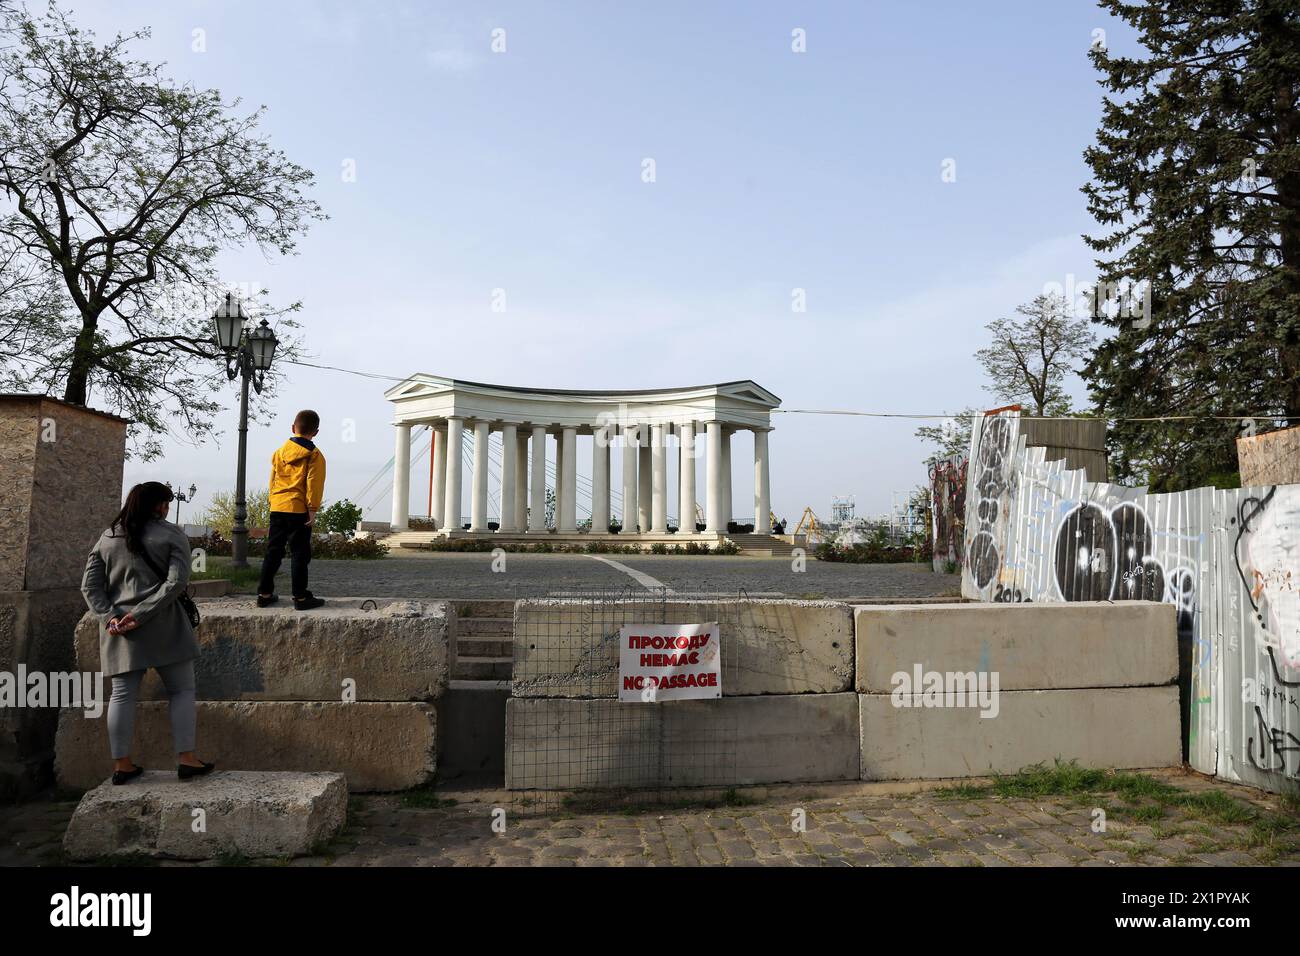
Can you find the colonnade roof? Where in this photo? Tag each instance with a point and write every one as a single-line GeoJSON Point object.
{"type": "Point", "coordinates": [425, 398]}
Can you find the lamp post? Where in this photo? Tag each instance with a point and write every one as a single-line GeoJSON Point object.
{"type": "Point", "coordinates": [180, 497]}
{"type": "Point", "coordinates": [248, 356]}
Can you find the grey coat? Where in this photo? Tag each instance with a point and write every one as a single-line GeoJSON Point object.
{"type": "Point", "coordinates": [117, 581]}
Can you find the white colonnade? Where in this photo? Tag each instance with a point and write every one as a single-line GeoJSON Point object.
{"type": "Point", "coordinates": [647, 432]}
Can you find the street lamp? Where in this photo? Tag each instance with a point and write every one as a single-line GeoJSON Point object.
{"type": "Point", "coordinates": [181, 496]}
{"type": "Point", "coordinates": [248, 355]}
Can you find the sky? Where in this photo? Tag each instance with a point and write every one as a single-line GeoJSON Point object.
{"type": "Point", "coordinates": [774, 171]}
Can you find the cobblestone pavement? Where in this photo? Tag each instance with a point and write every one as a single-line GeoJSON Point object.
{"type": "Point", "coordinates": [846, 825]}
{"type": "Point", "coordinates": [424, 574]}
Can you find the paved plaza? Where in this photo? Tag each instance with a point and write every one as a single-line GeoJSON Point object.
{"type": "Point", "coordinates": [471, 575]}
{"type": "Point", "coordinates": [1157, 819]}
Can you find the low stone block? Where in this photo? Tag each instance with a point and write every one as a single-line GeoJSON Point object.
{"type": "Point", "coordinates": [397, 650]}
{"type": "Point", "coordinates": [555, 744]}
{"type": "Point", "coordinates": [1030, 646]}
{"type": "Point", "coordinates": [1111, 727]}
{"type": "Point", "coordinates": [377, 746]}
{"type": "Point", "coordinates": [242, 813]}
{"type": "Point", "coordinates": [569, 648]}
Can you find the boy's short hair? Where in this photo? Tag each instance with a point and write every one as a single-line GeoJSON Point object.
{"type": "Point", "coordinates": [306, 422]}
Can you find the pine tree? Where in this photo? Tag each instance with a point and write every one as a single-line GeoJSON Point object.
{"type": "Point", "coordinates": [1197, 186]}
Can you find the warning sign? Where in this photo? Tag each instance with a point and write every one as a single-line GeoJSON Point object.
{"type": "Point", "coordinates": [669, 662]}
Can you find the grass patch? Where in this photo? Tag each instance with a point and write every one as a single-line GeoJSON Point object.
{"type": "Point", "coordinates": [1146, 813]}
{"type": "Point", "coordinates": [1067, 778]}
{"type": "Point", "coordinates": [242, 580]}
{"type": "Point", "coordinates": [1145, 799]}
{"type": "Point", "coordinates": [424, 798]}
{"type": "Point", "coordinates": [1215, 806]}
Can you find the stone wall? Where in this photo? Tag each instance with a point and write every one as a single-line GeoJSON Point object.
{"type": "Point", "coordinates": [811, 693]}
{"type": "Point", "coordinates": [569, 648]}
{"type": "Point", "coordinates": [60, 486]}
{"type": "Point", "coordinates": [1090, 682]}
{"type": "Point", "coordinates": [351, 687]}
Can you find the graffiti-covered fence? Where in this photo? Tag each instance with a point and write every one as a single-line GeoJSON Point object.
{"type": "Point", "coordinates": [1229, 560]}
{"type": "Point", "coordinates": [947, 511]}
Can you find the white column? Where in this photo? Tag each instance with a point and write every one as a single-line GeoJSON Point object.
{"type": "Point", "coordinates": [451, 501]}
{"type": "Point", "coordinates": [600, 479]}
{"type": "Point", "coordinates": [630, 484]}
{"type": "Point", "coordinates": [521, 482]}
{"type": "Point", "coordinates": [439, 472]}
{"type": "Point", "coordinates": [673, 488]}
{"type": "Point", "coordinates": [537, 505]}
{"type": "Point", "coordinates": [559, 474]}
{"type": "Point", "coordinates": [478, 501]}
{"type": "Point", "coordinates": [644, 491]}
{"type": "Point", "coordinates": [762, 484]}
{"type": "Point", "coordinates": [402, 478]}
{"type": "Point", "coordinates": [728, 505]}
{"type": "Point", "coordinates": [509, 474]}
{"type": "Point", "coordinates": [568, 500]}
{"type": "Point", "coordinates": [713, 495]}
{"type": "Point", "coordinates": [658, 481]}
{"type": "Point", "coordinates": [686, 472]}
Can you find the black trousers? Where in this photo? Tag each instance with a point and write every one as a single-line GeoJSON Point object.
{"type": "Point", "coordinates": [291, 530]}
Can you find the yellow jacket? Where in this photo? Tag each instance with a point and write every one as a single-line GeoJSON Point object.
{"type": "Point", "coordinates": [297, 476]}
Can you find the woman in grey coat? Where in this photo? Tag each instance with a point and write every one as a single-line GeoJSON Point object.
{"type": "Point", "coordinates": [142, 624]}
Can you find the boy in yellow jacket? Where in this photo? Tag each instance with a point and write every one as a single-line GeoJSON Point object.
{"type": "Point", "coordinates": [297, 484]}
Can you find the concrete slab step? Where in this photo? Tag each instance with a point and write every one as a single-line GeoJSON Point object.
{"type": "Point", "coordinates": [482, 668]}
{"type": "Point", "coordinates": [485, 626]}
{"type": "Point", "coordinates": [242, 813]}
{"type": "Point", "coordinates": [475, 647]}
{"type": "Point", "coordinates": [476, 608]}
{"type": "Point", "coordinates": [761, 545]}
{"type": "Point", "coordinates": [479, 685]}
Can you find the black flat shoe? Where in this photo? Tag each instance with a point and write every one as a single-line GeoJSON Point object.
{"type": "Point", "coordinates": [307, 602]}
{"type": "Point", "coordinates": [126, 776]}
{"type": "Point", "coordinates": [264, 601]}
{"type": "Point", "coordinates": [184, 771]}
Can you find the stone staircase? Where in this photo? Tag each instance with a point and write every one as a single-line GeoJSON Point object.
{"type": "Point", "coordinates": [761, 545]}
{"type": "Point", "coordinates": [484, 640]}
{"type": "Point", "coordinates": [407, 539]}
{"type": "Point", "coordinates": [474, 707]}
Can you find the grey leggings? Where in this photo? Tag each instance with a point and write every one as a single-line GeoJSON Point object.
{"type": "Point", "coordinates": [178, 679]}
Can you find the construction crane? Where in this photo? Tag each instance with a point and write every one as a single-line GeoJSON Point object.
{"type": "Point", "coordinates": [810, 526]}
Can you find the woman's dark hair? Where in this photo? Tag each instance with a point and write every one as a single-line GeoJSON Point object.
{"type": "Point", "coordinates": [141, 507]}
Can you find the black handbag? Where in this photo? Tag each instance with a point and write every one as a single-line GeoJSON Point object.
{"type": "Point", "coordinates": [183, 599]}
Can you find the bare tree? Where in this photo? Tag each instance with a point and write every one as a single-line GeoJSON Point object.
{"type": "Point", "coordinates": [1029, 357]}
{"type": "Point", "coordinates": [949, 438]}
{"type": "Point", "coordinates": [123, 188]}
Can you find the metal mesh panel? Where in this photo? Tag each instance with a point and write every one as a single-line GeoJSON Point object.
{"type": "Point", "coordinates": [569, 739]}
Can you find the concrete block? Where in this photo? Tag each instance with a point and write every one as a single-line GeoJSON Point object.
{"type": "Point", "coordinates": [1111, 727]}
{"type": "Point", "coordinates": [569, 648]}
{"type": "Point", "coordinates": [243, 813]}
{"type": "Point", "coordinates": [1030, 646]}
{"type": "Point", "coordinates": [34, 630]}
{"type": "Point", "coordinates": [554, 744]}
{"type": "Point", "coordinates": [396, 651]}
{"type": "Point", "coordinates": [377, 746]}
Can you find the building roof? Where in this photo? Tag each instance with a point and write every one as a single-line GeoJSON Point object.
{"type": "Point", "coordinates": [757, 392]}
